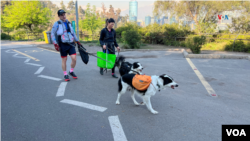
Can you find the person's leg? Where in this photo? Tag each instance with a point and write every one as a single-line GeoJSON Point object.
{"type": "Point", "coordinates": [101, 69]}
{"type": "Point", "coordinates": [72, 53]}
{"type": "Point", "coordinates": [64, 60]}
{"type": "Point", "coordinates": [73, 62]}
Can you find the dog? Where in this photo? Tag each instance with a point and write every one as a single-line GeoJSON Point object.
{"type": "Point", "coordinates": [128, 68]}
{"type": "Point", "coordinates": [158, 83]}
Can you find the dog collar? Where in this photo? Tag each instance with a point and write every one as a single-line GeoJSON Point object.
{"type": "Point", "coordinates": [159, 86]}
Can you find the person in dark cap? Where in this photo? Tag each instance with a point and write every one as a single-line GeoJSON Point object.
{"type": "Point", "coordinates": [108, 41]}
{"type": "Point", "coordinates": [63, 37]}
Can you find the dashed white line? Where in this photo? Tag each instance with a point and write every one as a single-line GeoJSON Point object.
{"type": "Point", "coordinates": [84, 105]}
{"type": "Point", "coordinates": [61, 89]}
{"type": "Point", "coordinates": [27, 60]}
{"type": "Point", "coordinates": [15, 55]}
{"type": "Point", "coordinates": [116, 128]}
{"type": "Point", "coordinates": [8, 51]}
{"type": "Point", "coordinates": [49, 77]}
{"type": "Point", "coordinates": [48, 50]}
{"type": "Point", "coordinates": [34, 64]}
{"type": "Point", "coordinates": [39, 70]}
{"type": "Point", "coordinates": [209, 89]}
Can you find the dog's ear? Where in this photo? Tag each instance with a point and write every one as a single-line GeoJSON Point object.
{"type": "Point", "coordinates": [135, 65]}
{"type": "Point", "coordinates": [162, 76]}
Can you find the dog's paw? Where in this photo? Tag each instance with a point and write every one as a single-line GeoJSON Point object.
{"type": "Point", "coordinates": [142, 103]}
{"type": "Point", "coordinates": [154, 112]}
{"type": "Point", "coordinates": [117, 103]}
{"type": "Point", "coordinates": [137, 104]}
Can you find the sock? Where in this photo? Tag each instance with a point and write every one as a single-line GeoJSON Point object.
{"type": "Point", "coordinates": [113, 73]}
{"type": "Point", "coordinates": [101, 68]}
{"type": "Point", "coordinates": [65, 72]}
{"type": "Point", "coordinates": [72, 69]}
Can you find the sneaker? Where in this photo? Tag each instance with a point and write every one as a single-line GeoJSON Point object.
{"type": "Point", "coordinates": [114, 76]}
{"type": "Point", "coordinates": [73, 75]}
{"type": "Point", "coordinates": [66, 77]}
{"type": "Point", "coordinates": [101, 71]}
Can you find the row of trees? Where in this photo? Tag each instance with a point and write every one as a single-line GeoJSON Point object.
{"type": "Point", "coordinates": [37, 16]}
{"type": "Point", "coordinates": [204, 13]}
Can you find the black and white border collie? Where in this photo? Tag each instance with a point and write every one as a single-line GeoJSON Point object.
{"type": "Point", "coordinates": [128, 68]}
{"type": "Point", "coordinates": [158, 83]}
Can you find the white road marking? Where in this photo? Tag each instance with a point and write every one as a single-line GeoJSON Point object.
{"type": "Point", "coordinates": [27, 60]}
{"type": "Point", "coordinates": [15, 55]}
{"type": "Point", "coordinates": [8, 51]}
{"type": "Point", "coordinates": [49, 77]}
{"type": "Point", "coordinates": [39, 70]}
{"type": "Point", "coordinates": [116, 128]}
{"type": "Point", "coordinates": [209, 89]}
{"type": "Point", "coordinates": [48, 50]}
{"type": "Point", "coordinates": [34, 64]}
{"type": "Point", "coordinates": [61, 89]}
{"type": "Point", "coordinates": [26, 55]}
{"type": "Point", "coordinates": [84, 105]}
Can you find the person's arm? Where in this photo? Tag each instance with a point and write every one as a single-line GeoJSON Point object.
{"type": "Point", "coordinates": [102, 37]}
{"type": "Point", "coordinates": [53, 32]}
{"type": "Point", "coordinates": [116, 45]}
{"type": "Point", "coordinates": [73, 33]}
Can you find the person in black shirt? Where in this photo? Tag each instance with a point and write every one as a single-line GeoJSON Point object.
{"type": "Point", "coordinates": [108, 41]}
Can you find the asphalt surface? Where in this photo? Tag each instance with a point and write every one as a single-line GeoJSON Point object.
{"type": "Point", "coordinates": [31, 110]}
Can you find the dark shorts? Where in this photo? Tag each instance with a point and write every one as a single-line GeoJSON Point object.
{"type": "Point", "coordinates": [66, 49]}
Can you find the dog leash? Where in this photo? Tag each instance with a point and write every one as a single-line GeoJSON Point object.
{"type": "Point", "coordinates": [83, 49]}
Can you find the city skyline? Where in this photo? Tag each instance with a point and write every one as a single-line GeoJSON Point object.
{"type": "Point", "coordinates": [144, 7]}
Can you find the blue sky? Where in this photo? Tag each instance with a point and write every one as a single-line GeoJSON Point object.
{"type": "Point", "coordinates": [144, 7]}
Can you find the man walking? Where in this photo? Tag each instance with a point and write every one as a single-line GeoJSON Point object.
{"type": "Point", "coordinates": [63, 37]}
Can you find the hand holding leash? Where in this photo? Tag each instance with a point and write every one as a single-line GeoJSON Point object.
{"type": "Point", "coordinates": [78, 43]}
{"type": "Point", "coordinates": [118, 49]}
{"type": "Point", "coordinates": [104, 46]}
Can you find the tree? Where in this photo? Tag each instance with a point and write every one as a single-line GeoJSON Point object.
{"type": "Point", "coordinates": [3, 4]}
{"type": "Point", "coordinates": [91, 22]}
{"type": "Point", "coordinates": [81, 12]}
{"type": "Point", "coordinates": [62, 5]}
{"type": "Point", "coordinates": [115, 14]}
{"type": "Point", "coordinates": [199, 11]}
{"type": "Point", "coordinates": [71, 5]}
{"type": "Point", "coordinates": [26, 14]}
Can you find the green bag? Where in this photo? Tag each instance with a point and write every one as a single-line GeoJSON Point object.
{"type": "Point", "coordinates": [103, 64]}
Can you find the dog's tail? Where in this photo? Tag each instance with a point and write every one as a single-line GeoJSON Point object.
{"type": "Point", "coordinates": [120, 84]}
{"type": "Point", "coordinates": [120, 60]}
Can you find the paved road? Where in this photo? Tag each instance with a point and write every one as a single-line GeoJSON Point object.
{"type": "Point", "coordinates": [35, 107]}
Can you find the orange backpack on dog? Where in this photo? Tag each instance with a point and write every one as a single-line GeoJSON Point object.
{"type": "Point", "coordinates": [141, 82]}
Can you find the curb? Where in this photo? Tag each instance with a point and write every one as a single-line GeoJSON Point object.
{"type": "Point", "coordinates": [214, 56]}
{"type": "Point", "coordinates": [151, 49]}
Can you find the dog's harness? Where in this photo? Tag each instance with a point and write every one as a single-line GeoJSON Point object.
{"type": "Point", "coordinates": [135, 72]}
{"type": "Point", "coordinates": [157, 85]}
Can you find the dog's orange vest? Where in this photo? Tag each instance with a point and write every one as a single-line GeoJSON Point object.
{"type": "Point", "coordinates": [141, 82]}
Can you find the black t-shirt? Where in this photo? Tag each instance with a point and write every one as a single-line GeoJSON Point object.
{"type": "Point", "coordinates": [108, 36]}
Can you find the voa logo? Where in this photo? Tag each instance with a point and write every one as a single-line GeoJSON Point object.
{"type": "Point", "coordinates": [223, 17]}
{"type": "Point", "coordinates": [236, 132]}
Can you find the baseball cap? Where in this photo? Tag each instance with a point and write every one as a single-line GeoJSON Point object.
{"type": "Point", "coordinates": [60, 12]}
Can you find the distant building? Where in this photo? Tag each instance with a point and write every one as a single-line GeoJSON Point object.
{"type": "Point", "coordinates": [164, 20]}
{"type": "Point", "coordinates": [133, 11]}
{"type": "Point", "coordinates": [139, 23]}
{"type": "Point", "coordinates": [133, 19]}
{"type": "Point", "coordinates": [147, 20]}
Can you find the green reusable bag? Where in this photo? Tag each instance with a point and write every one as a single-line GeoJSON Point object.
{"type": "Point", "coordinates": [103, 64]}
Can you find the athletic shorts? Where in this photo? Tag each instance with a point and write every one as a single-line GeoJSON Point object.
{"type": "Point", "coordinates": [66, 49]}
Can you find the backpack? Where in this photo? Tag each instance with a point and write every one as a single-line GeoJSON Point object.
{"type": "Point", "coordinates": [141, 82]}
{"type": "Point", "coordinates": [59, 22]}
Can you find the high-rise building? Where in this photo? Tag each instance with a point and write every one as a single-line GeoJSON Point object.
{"type": "Point", "coordinates": [147, 20]}
{"type": "Point", "coordinates": [133, 10]}
{"type": "Point", "coordinates": [164, 20]}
